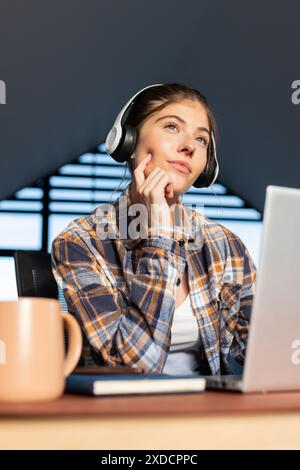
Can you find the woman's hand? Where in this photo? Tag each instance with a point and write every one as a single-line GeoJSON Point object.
{"type": "Point", "coordinates": [152, 191]}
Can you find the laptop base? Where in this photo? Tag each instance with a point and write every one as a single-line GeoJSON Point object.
{"type": "Point", "coordinates": [231, 383]}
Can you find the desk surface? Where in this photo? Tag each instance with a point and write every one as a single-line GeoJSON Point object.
{"type": "Point", "coordinates": [206, 403]}
{"type": "Point", "coordinates": [209, 420]}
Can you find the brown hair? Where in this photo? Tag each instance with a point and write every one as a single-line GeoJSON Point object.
{"type": "Point", "coordinates": [156, 98]}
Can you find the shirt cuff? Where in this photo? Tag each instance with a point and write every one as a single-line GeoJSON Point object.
{"type": "Point", "coordinates": [171, 245]}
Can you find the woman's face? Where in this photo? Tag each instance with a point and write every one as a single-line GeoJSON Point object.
{"type": "Point", "coordinates": [169, 138]}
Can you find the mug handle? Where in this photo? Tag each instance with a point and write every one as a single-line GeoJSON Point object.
{"type": "Point", "coordinates": [74, 343]}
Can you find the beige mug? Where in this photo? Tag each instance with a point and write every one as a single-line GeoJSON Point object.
{"type": "Point", "coordinates": [33, 366]}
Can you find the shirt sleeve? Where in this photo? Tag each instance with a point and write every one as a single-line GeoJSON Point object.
{"type": "Point", "coordinates": [236, 296]}
{"type": "Point", "coordinates": [135, 333]}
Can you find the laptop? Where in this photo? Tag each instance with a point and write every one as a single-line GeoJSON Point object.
{"type": "Point", "coordinates": [272, 360]}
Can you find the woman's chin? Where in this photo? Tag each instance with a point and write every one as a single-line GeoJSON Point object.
{"type": "Point", "coordinates": [180, 185]}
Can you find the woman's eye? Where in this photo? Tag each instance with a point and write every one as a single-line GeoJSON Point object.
{"type": "Point", "coordinates": [204, 140]}
{"type": "Point", "coordinates": [172, 125]}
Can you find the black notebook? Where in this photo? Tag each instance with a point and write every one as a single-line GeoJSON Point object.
{"type": "Point", "coordinates": [133, 384]}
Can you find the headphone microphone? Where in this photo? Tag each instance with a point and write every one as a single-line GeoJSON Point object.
{"type": "Point", "coordinates": [121, 142]}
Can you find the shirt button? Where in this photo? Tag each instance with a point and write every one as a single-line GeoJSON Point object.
{"type": "Point", "coordinates": [178, 282]}
{"type": "Point", "coordinates": [112, 352]}
{"type": "Point", "coordinates": [181, 242]}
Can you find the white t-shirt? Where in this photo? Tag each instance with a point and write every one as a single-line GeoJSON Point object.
{"type": "Point", "coordinates": [183, 357]}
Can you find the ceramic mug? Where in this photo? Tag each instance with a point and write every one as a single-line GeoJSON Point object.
{"type": "Point", "coordinates": [33, 365]}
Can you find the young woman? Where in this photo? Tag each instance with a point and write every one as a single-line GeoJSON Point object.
{"type": "Point", "coordinates": [179, 299]}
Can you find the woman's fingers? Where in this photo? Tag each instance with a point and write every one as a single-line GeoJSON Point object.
{"type": "Point", "coordinates": [150, 187]}
{"type": "Point", "coordinates": [153, 172]}
{"type": "Point", "coordinates": [163, 181]}
{"type": "Point", "coordinates": [150, 178]}
{"type": "Point", "coordinates": [153, 190]}
{"type": "Point", "coordinates": [169, 190]}
{"type": "Point", "coordinates": [139, 171]}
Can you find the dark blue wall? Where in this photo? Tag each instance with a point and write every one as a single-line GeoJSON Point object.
{"type": "Point", "coordinates": [69, 66]}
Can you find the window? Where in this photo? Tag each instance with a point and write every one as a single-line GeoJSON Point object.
{"type": "Point", "coordinates": [35, 215]}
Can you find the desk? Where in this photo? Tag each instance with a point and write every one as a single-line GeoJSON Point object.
{"type": "Point", "coordinates": [206, 420]}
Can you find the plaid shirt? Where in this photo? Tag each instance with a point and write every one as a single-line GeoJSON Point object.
{"type": "Point", "coordinates": [122, 291]}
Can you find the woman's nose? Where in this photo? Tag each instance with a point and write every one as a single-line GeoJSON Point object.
{"type": "Point", "coordinates": [188, 145]}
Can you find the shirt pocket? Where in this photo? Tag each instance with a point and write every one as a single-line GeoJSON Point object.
{"type": "Point", "coordinates": [230, 294]}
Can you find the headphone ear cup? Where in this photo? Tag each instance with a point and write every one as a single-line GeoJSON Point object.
{"type": "Point", "coordinates": [210, 173]}
{"type": "Point", "coordinates": [126, 145]}
{"type": "Point", "coordinates": [204, 180]}
{"type": "Point", "coordinates": [201, 181]}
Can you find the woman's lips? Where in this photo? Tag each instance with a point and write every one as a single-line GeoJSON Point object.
{"type": "Point", "coordinates": [179, 167]}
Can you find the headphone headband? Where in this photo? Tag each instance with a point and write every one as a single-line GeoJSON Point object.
{"type": "Point", "coordinates": [114, 136]}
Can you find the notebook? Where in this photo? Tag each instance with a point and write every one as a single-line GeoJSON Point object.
{"type": "Point", "coordinates": [133, 384]}
{"type": "Point", "coordinates": [100, 370]}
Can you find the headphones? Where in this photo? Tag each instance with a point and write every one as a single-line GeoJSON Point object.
{"type": "Point", "coordinates": [121, 141]}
